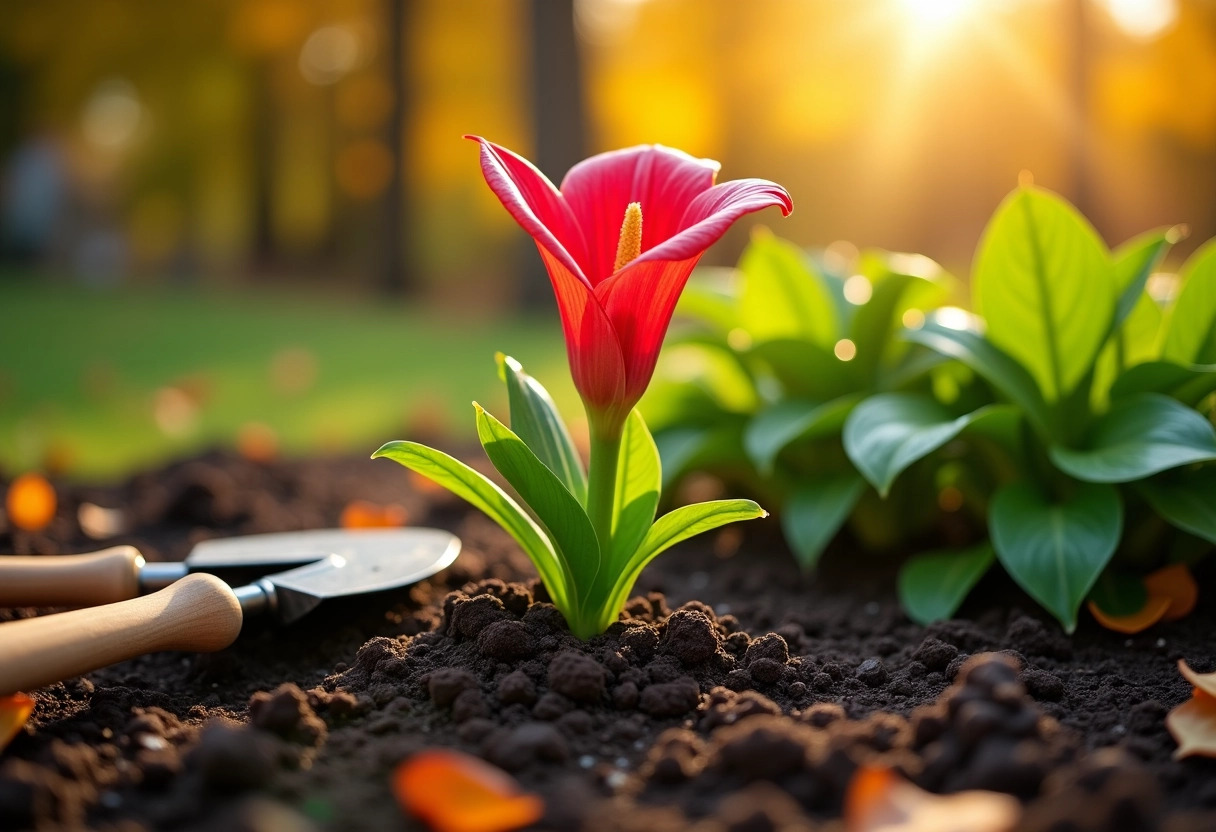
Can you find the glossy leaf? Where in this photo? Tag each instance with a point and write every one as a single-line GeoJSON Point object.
{"type": "Point", "coordinates": [1188, 384]}
{"type": "Point", "coordinates": [677, 447]}
{"type": "Point", "coordinates": [1044, 282]}
{"type": "Point", "coordinates": [783, 295]}
{"type": "Point", "coordinates": [876, 320]}
{"type": "Point", "coordinates": [807, 370]}
{"type": "Point", "coordinates": [1134, 263]}
{"type": "Point", "coordinates": [888, 432]}
{"type": "Point", "coordinates": [1186, 499]}
{"type": "Point", "coordinates": [638, 480]}
{"type": "Point", "coordinates": [535, 420]}
{"type": "Point", "coordinates": [775, 427]}
{"type": "Point", "coordinates": [965, 343]}
{"type": "Point", "coordinates": [1139, 436]}
{"type": "Point", "coordinates": [562, 516]}
{"type": "Point", "coordinates": [1190, 336]}
{"type": "Point", "coordinates": [815, 511]}
{"type": "Point", "coordinates": [933, 585]}
{"type": "Point", "coordinates": [1056, 550]}
{"type": "Point", "coordinates": [486, 496]}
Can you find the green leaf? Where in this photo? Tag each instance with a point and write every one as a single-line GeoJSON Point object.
{"type": "Point", "coordinates": [1134, 262]}
{"type": "Point", "coordinates": [561, 515]}
{"type": "Point", "coordinates": [677, 448]}
{"type": "Point", "coordinates": [1186, 499]}
{"type": "Point", "coordinates": [638, 480]}
{"type": "Point", "coordinates": [955, 334]}
{"type": "Point", "coordinates": [1190, 336]}
{"type": "Point", "coordinates": [1118, 594]}
{"type": "Point", "coordinates": [1188, 385]}
{"type": "Point", "coordinates": [815, 511]}
{"type": "Point", "coordinates": [933, 585]}
{"type": "Point", "coordinates": [535, 420]}
{"type": "Point", "coordinates": [775, 427]}
{"type": "Point", "coordinates": [486, 496]}
{"type": "Point", "coordinates": [807, 370]}
{"type": "Point", "coordinates": [888, 432]}
{"type": "Point", "coordinates": [672, 528]}
{"type": "Point", "coordinates": [1056, 550]}
{"type": "Point", "coordinates": [1044, 282]}
{"type": "Point", "coordinates": [783, 295]}
{"type": "Point", "coordinates": [1139, 436]}
{"type": "Point", "coordinates": [878, 319]}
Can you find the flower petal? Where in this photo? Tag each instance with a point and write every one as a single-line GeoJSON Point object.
{"type": "Point", "coordinates": [664, 181]}
{"type": "Point", "coordinates": [709, 216]}
{"type": "Point", "coordinates": [535, 204]}
{"type": "Point", "coordinates": [639, 301]}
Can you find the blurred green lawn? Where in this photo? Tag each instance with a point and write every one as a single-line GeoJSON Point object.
{"type": "Point", "coordinates": [104, 382]}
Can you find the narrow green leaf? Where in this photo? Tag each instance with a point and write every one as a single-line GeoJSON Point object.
{"type": "Point", "coordinates": [638, 480]}
{"type": "Point", "coordinates": [1186, 499]}
{"type": "Point", "coordinates": [1044, 282]}
{"type": "Point", "coordinates": [675, 527]}
{"type": "Point", "coordinates": [1189, 384]}
{"type": "Point", "coordinates": [486, 496]}
{"type": "Point", "coordinates": [815, 511]}
{"type": "Point", "coordinates": [955, 334]}
{"type": "Point", "coordinates": [1190, 336]}
{"type": "Point", "coordinates": [1139, 436]}
{"type": "Point", "coordinates": [783, 295]}
{"type": "Point", "coordinates": [535, 420]}
{"type": "Point", "coordinates": [1135, 262]}
{"type": "Point", "coordinates": [933, 585]}
{"type": "Point", "coordinates": [560, 514]}
{"type": "Point", "coordinates": [775, 427]}
{"type": "Point", "coordinates": [1056, 550]}
{"type": "Point", "coordinates": [888, 432]}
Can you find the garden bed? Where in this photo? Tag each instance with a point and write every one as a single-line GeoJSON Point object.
{"type": "Point", "coordinates": [733, 693]}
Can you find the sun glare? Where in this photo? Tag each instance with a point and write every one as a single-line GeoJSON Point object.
{"type": "Point", "coordinates": [933, 14]}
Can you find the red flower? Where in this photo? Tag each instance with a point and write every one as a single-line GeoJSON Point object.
{"type": "Point", "coordinates": [617, 288]}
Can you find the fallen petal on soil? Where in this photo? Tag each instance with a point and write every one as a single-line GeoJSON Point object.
{"type": "Point", "coordinates": [361, 514]}
{"type": "Point", "coordinates": [1154, 610]}
{"type": "Point", "coordinates": [1205, 682]}
{"type": "Point", "coordinates": [1176, 583]}
{"type": "Point", "coordinates": [454, 792]}
{"type": "Point", "coordinates": [1193, 725]}
{"type": "Point", "coordinates": [31, 502]}
{"type": "Point", "coordinates": [14, 711]}
{"type": "Point", "coordinates": [880, 800]}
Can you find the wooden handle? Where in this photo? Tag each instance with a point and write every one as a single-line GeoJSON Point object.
{"type": "Point", "coordinates": [198, 613]}
{"type": "Point", "coordinates": [70, 580]}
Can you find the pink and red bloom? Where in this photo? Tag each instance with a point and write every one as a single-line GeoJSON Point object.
{"type": "Point", "coordinates": [614, 317]}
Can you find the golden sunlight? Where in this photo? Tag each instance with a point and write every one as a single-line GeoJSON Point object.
{"type": "Point", "coordinates": [935, 14]}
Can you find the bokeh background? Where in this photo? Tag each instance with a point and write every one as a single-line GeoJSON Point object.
{"type": "Point", "coordinates": [254, 223]}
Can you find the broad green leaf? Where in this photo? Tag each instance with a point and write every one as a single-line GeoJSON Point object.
{"type": "Point", "coordinates": [1188, 385]}
{"type": "Point", "coordinates": [1044, 282]}
{"type": "Point", "coordinates": [535, 420]}
{"type": "Point", "coordinates": [954, 333]}
{"type": "Point", "coordinates": [1134, 262]}
{"type": "Point", "coordinates": [783, 295]}
{"type": "Point", "coordinates": [815, 511]}
{"type": "Point", "coordinates": [713, 367]}
{"type": "Point", "coordinates": [677, 447]}
{"type": "Point", "coordinates": [1190, 336]}
{"type": "Point", "coordinates": [561, 515]}
{"type": "Point", "coordinates": [773, 428]}
{"type": "Point", "coordinates": [1056, 550]}
{"type": "Point", "coordinates": [877, 320]}
{"type": "Point", "coordinates": [486, 496]}
{"type": "Point", "coordinates": [1139, 436]}
{"type": "Point", "coordinates": [1185, 498]}
{"type": "Point", "coordinates": [711, 299]}
{"type": "Point", "coordinates": [638, 480]}
{"type": "Point", "coordinates": [888, 432]}
{"type": "Point", "coordinates": [933, 585]}
{"type": "Point", "coordinates": [672, 528]}
{"type": "Point", "coordinates": [1118, 594]}
{"type": "Point", "coordinates": [807, 370]}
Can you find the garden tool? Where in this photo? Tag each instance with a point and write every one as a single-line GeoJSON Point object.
{"type": "Point", "coordinates": [200, 612]}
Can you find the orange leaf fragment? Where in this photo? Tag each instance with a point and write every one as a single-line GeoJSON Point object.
{"type": "Point", "coordinates": [1193, 724]}
{"type": "Point", "coordinates": [257, 442]}
{"type": "Point", "coordinates": [31, 502]}
{"type": "Point", "coordinates": [880, 800]}
{"type": "Point", "coordinates": [14, 711]}
{"type": "Point", "coordinates": [1154, 610]}
{"type": "Point", "coordinates": [454, 792]}
{"type": "Point", "coordinates": [1205, 682]}
{"type": "Point", "coordinates": [1176, 583]}
{"type": "Point", "coordinates": [361, 514]}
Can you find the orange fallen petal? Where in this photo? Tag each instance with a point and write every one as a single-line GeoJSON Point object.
{"type": "Point", "coordinates": [424, 484]}
{"type": "Point", "coordinates": [879, 800]}
{"type": "Point", "coordinates": [31, 502]}
{"type": "Point", "coordinates": [257, 442]}
{"type": "Point", "coordinates": [14, 711]}
{"type": "Point", "coordinates": [1153, 611]}
{"type": "Point", "coordinates": [360, 514]}
{"type": "Point", "coordinates": [1176, 583]}
{"type": "Point", "coordinates": [1193, 725]}
{"type": "Point", "coordinates": [1205, 682]}
{"type": "Point", "coordinates": [454, 792]}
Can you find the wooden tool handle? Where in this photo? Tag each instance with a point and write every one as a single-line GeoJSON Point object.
{"type": "Point", "coordinates": [198, 613]}
{"type": "Point", "coordinates": [70, 580]}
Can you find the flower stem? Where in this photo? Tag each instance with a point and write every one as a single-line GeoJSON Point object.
{"type": "Point", "coordinates": [601, 485]}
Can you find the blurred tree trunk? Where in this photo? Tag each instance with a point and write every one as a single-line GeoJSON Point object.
{"type": "Point", "coordinates": [558, 113]}
{"type": "Point", "coordinates": [397, 275]}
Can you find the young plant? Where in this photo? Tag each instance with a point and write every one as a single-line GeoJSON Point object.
{"type": "Point", "coordinates": [1101, 412]}
{"type": "Point", "coordinates": [773, 357]}
{"type": "Point", "coordinates": [619, 240]}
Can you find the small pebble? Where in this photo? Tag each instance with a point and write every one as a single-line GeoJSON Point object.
{"type": "Point", "coordinates": [872, 608]}
{"type": "Point", "coordinates": [616, 779]}
{"type": "Point", "coordinates": [586, 761]}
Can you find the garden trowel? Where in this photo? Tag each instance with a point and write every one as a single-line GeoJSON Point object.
{"type": "Point", "coordinates": [202, 613]}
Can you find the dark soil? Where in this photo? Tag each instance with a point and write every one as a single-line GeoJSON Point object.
{"type": "Point", "coordinates": [732, 695]}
